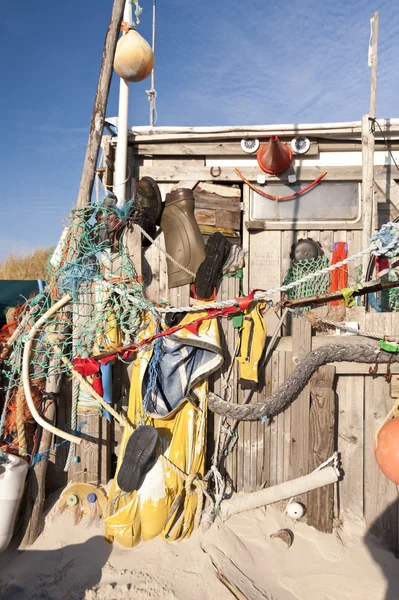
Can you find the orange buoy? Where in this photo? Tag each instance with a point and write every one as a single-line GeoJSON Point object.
{"type": "Point", "coordinates": [274, 157]}
{"type": "Point", "coordinates": [386, 450]}
{"type": "Point", "coordinates": [134, 58]}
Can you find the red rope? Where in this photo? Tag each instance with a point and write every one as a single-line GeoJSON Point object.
{"type": "Point", "coordinates": [281, 198]}
{"type": "Point", "coordinates": [90, 365]}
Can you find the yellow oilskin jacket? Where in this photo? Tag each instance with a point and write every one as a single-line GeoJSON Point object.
{"type": "Point", "coordinates": [253, 335]}
{"type": "Point", "coordinates": [161, 506]}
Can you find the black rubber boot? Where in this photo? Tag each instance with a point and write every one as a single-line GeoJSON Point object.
{"type": "Point", "coordinates": [147, 207]}
{"type": "Point", "coordinates": [148, 199]}
{"type": "Point", "coordinates": [140, 450]}
{"type": "Point", "coordinates": [106, 218]}
{"type": "Point", "coordinates": [217, 250]}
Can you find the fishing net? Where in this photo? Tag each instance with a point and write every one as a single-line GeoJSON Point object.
{"type": "Point", "coordinates": [92, 264]}
{"type": "Point", "coordinates": [301, 268]}
{"type": "Point", "coordinates": [392, 295]}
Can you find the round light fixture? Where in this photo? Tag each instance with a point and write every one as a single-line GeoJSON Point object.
{"type": "Point", "coordinates": [249, 145]}
{"type": "Point", "coordinates": [300, 145]}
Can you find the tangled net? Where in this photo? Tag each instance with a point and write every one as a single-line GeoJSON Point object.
{"type": "Point", "coordinates": [89, 260]}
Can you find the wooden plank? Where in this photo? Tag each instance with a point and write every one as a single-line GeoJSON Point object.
{"type": "Point", "coordinates": [194, 148]}
{"type": "Point", "coordinates": [280, 422]}
{"type": "Point", "coordinates": [265, 428]}
{"type": "Point", "coordinates": [320, 505]}
{"type": "Point", "coordinates": [350, 397]}
{"type": "Point", "coordinates": [205, 217]}
{"type": "Point", "coordinates": [273, 425]}
{"type": "Point", "coordinates": [221, 219]}
{"type": "Point", "coordinates": [36, 486]}
{"type": "Point", "coordinates": [228, 218]}
{"type": "Point", "coordinates": [389, 126]}
{"type": "Point", "coordinates": [264, 267]}
{"type": "Point", "coordinates": [389, 188]}
{"type": "Point", "coordinates": [287, 423]}
{"type": "Point", "coordinates": [326, 241]}
{"type": "Point", "coordinates": [380, 494]}
{"type": "Point", "coordinates": [217, 202]}
{"type": "Point", "coordinates": [301, 337]}
{"type": "Point", "coordinates": [185, 184]}
{"type": "Point", "coordinates": [174, 173]}
{"type": "Point", "coordinates": [367, 183]}
{"type": "Point", "coordinates": [290, 226]}
{"type": "Point", "coordinates": [219, 190]}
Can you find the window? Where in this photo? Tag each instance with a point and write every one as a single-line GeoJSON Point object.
{"type": "Point", "coordinates": [328, 201]}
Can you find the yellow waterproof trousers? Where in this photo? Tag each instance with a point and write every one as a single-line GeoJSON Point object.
{"type": "Point", "coordinates": [162, 505]}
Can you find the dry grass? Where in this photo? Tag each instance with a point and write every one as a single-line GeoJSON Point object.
{"type": "Point", "coordinates": [27, 266]}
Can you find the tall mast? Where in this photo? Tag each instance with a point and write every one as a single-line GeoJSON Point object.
{"type": "Point", "coordinates": [123, 115]}
{"type": "Point", "coordinates": [152, 93]}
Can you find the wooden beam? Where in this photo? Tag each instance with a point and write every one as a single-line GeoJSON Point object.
{"type": "Point", "coordinates": [100, 104]}
{"type": "Point", "coordinates": [389, 188]}
{"type": "Point", "coordinates": [194, 148]}
{"type": "Point", "coordinates": [367, 184]}
{"type": "Point", "coordinates": [299, 455]}
{"type": "Point", "coordinates": [320, 507]}
{"type": "Point", "coordinates": [36, 486]}
{"type": "Point", "coordinates": [185, 184]}
{"type": "Point", "coordinates": [174, 173]}
{"type": "Point", "coordinates": [301, 226]}
{"type": "Point", "coordinates": [210, 189]}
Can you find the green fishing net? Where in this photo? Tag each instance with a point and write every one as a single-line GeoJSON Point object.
{"type": "Point", "coordinates": [392, 295]}
{"type": "Point", "coordinates": [301, 268]}
{"type": "Point", "coordinates": [92, 264]}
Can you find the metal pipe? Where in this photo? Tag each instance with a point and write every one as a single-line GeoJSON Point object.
{"type": "Point", "coordinates": [123, 115]}
{"type": "Point", "coordinates": [152, 91]}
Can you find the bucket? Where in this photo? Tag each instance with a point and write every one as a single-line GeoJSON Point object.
{"type": "Point", "coordinates": [12, 483]}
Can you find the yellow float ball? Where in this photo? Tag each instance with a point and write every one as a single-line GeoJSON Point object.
{"type": "Point", "coordinates": [134, 58]}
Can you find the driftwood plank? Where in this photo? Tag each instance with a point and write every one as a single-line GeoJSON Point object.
{"type": "Point", "coordinates": [36, 487]}
{"type": "Point", "coordinates": [301, 338]}
{"type": "Point", "coordinates": [321, 445]}
{"type": "Point", "coordinates": [350, 392]}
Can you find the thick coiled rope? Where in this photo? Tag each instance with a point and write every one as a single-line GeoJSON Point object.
{"type": "Point", "coordinates": [294, 384]}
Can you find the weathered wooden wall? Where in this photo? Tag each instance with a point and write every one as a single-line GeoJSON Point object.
{"type": "Point", "coordinates": [343, 416]}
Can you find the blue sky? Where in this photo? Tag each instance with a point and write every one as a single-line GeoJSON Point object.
{"type": "Point", "coordinates": [219, 62]}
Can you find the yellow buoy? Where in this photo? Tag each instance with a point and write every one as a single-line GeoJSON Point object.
{"type": "Point", "coordinates": [134, 58]}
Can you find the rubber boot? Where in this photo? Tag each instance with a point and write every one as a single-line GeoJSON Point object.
{"type": "Point", "coordinates": [183, 239]}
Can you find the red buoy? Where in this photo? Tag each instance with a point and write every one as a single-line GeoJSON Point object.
{"type": "Point", "coordinates": [274, 157]}
{"type": "Point", "coordinates": [386, 450]}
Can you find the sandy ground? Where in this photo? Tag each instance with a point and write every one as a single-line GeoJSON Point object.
{"type": "Point", "coordinates": [74, 562]}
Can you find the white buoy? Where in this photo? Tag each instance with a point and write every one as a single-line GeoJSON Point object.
{"type": "Point", "coordinates": [12, 483]}
{"type": "Point", "coordinates": [295, 510]}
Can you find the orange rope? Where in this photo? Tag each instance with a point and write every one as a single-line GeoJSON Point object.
{"type": "Point", "coordinates": [280, 198]}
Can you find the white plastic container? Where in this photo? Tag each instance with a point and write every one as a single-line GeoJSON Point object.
{"type": "Point", "coordinates": [12, 482]}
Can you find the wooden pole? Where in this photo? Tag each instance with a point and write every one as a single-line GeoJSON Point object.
{"type": "Point", "coordinates": [320, 507]}
{"type": "Point", "coordinates": [370, 214]}
{"type": "Point", "coordinates": [100, 104]}
{"type": "Point", "coordinates": [35, 494]}
{"type": "Point", "coordinates": [373, 64]}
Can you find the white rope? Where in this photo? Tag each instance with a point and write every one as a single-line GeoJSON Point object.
{"type": "Point", "coordinates": [168, 256]}
{"type": "Point", "coordinates": [341, 326]}
{"type": "Point", "coordinates": [384, 243]}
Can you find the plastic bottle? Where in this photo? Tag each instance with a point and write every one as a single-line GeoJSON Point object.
{"type": "Point", "coordinates": [12, 483]}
